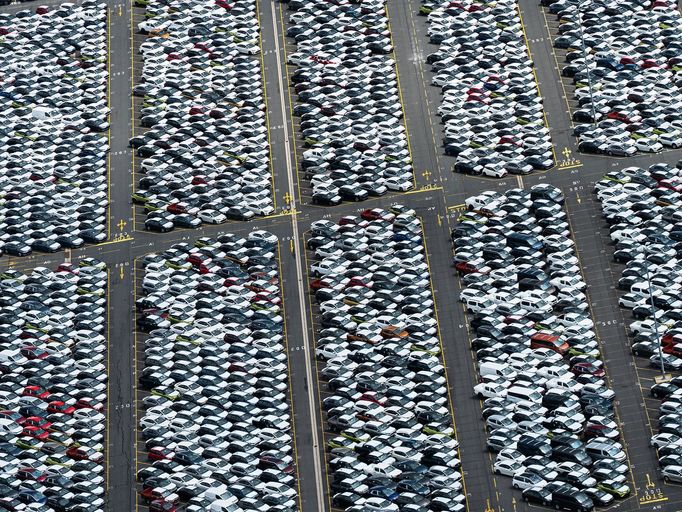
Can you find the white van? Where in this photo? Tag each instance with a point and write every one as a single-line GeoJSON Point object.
{"type": "Point", "coordinates": [519, 393]}
{"type": "Point", "coordinates": [599, 451]}
{"type": "Point", "coordinates": [225, 506]}
{"type": "Point", "coordinates": [491, 368]}
{"type": "Point", "coordinates": [477, 304]}
{"type": "Point", "coordinates": [9, 428]}
{"type": "Point", "coordinates": [12, 356]}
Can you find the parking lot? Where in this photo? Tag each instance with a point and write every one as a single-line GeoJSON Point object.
{"type": "Point", "coordinates": [438, 197]}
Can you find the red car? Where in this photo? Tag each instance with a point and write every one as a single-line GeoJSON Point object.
{"type": "Point", "coordinates": [29, 473]}
{"type": "Point", "coordinates": [31, 352]}
{"type": "Point", "coordinates": [619, 116]}
{"type": "Point", "coordinates": [35, 421]}
{"type": "Point", "coordinates": [675, 350]}
{"type": "Point", "coordinates": [585, 368]}
{"type": "Point", "coordinates": [68, 267]}
{"type": "Point", "coordinates": [160, 453]}
{"type": "Point", "coordinates": [35, 432]}
{"type": "Point", "coordinates": [89, 403]}
{"type": "Point", "coordinates": [60, 407]}
{"type": "Point", "coordinates": [675, 185]}
{"type": "Point", "coordinates": [84, 453]}
{"type": "Point", "coordinates": [154, 493]}
{"type": "Point", "coordinates": [376, 214]}
{"type": "Point", "coordinates": [464, 268]}
{"type": "Point", "coordinates": [162, 506]}
{"type": "Point", "coordinates": [14, 416]}
{"type": "Point", "coordinates": [36, 391]}
{"type": "Point", "coordinates": [371, 396]}
{"type": "Point", "coordinates": [318, 284]}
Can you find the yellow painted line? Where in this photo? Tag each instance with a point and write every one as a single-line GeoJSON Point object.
{"type": "Point", "coordinates": [265, 96]}
{"type": "Point", "coordinates": [291, 106]}
{"type": "Point", "coordinates": [657, 500]}
{"type": "Point", "coordinates": [442, 354]}
{"type": "Point", "coordinates": [286, 348]}
{"type": "Point", "coordinates": [457, 207]}
{"type": "Point", "coordinates": [569, 166]}
{"type": "Point", "coordinates": [115, 241]}
{"type": "Point", "coordinates": [400, 94]}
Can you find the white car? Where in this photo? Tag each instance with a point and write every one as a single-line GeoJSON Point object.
{"type": "Point", "coordinates": [672, 474]}
{"type": "Point", "coordinates": [212, 216]}
{"type": "Point", "coordinates": [665, 439]}
{"type": "Point", "coordinates": [507, 467]}
{"type": "Point", "coordinates": [648, 145]}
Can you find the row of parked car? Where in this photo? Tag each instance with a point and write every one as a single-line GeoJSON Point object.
{"type": "Point", "coordinates": [546, 404]}
{"type": "Point", "coordinates": [491, 111]}
{"type": "Point", "coordinates": [53, 110]}
{"type": "Point", "coordinates": [205, 157]}
{"type": "Point", "coordinates": [53, 348]}
{"type": "Point", "coordinates": [643, 208]}
{"type": "Point", "coordinates": [623, 60]}
{"type": "Point", "coordinates": [390, 437]}
{"type": "Point", "coordinates": [644, 211]}
{"type": "Point", "coordinates": [216, 420]}
{"type": "Point", "coordinates": [348, 104]}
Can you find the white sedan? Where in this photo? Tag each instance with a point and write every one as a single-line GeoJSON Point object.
{"type": "Point", "coordinates": [212, 217]}
{"type": "Point", "coordinates": [665, 439]}
{"type": "Point", "coordinates": [395, 183]}
{"type": "Point", "coordinates": [507, 467]}
{"type": "Point", "coordinates": [648, 145]}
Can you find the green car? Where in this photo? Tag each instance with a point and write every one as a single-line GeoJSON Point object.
{"type": "Point", "coordinates": [356, 435]}
{"type": "Point", "coordinates": [416, 347]}
{"type": "Point", "coordinates": [140, 197]}
{"type": "Point", "coordinates": [166, 392]}
{"type": "Point", "coordinates": [614, 488]}
{"type": "Point", "coordinates": [28, 443]}
{"type": "Point", "coordinates": [340, 442]}
{"type": "Point", "coordinates": [436, 430]}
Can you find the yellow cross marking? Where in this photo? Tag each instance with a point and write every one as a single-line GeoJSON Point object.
{"type": "Point", "coordinates": [566, 152]}
{"type": "Point", "coordinates": [426, 174]}
{"type": "Point", "coordinates": [121, 224]}
{"type": "Point", "coordinates": [287, 198]}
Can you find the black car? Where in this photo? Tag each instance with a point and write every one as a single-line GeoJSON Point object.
{"type": "Point", "coordinates": [353, 193]}
{"type": "Point", "coordinates": [588, 146]}
{"type": "Point", "coordinates": [326, 199]}
{"type": "Point", "coordinates": [345, 499]}
{"type": "Point", "coordinates": [537, 495]}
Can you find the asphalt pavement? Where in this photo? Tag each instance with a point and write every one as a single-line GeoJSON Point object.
{"type": "Point", "coordinates": [438, 197]}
